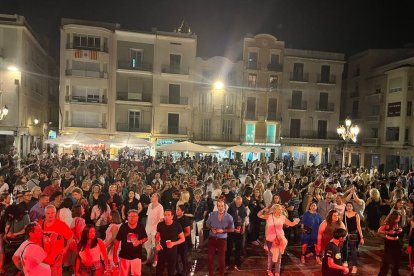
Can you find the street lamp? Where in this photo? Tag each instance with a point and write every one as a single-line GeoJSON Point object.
{"type": "Point", "coordinates": [347, 133]}
{"type": "Point", "coordinates": [218, 85]}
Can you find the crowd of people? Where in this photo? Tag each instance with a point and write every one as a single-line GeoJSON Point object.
{"type": "Point", "coordinates": [86, 216]}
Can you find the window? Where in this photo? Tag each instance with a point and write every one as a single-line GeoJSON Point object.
{"type": "Point", "coordinates": [86, 41]}
{"type": "Point", "coordinates": [205, 102]}
{"type": "Point", "coordinates": [207, 76]}
{"type": "Point", "coordinates": [375, 110]}
{"type": "Point", "coordinates": [205, 129]}
{"type": "Point", "coordinates": [251, 108]}
{"type": "Point", "coordinates": [173, 123]}
{"type": "Point", "coordinates": [298, 71]}
{"type": "Point", "coordinates": [85, 119]}
{"type": "Point", "coordinates": [325, 73]}
{"type": "Point", "coordinates": [272, 109]}
{"type": "Point", "coordinates": [322, 129]}
{"type": "Point", "coordinates": [175, 63]}
{"type": "Point", "coordinates": [174, 94]}
{"type": "Point", "coordinates": [274, 59]}
{"type": "Point", "coordinates": [252, 62]}
{"type": "Point", "coordinates": [394, 109]}
{"type": "Point", "coordinates": [323, 101]}
{"type": "Point", "coordinates": [271, 133]}
{"type": "Point", "coordinates": [294, 128]}
{"type": "Point", "coordinates": [409, 107]}
{"type": "Point", "coordinates": [374, 132]}
{"type": "Point", "coordinates": [134, 120]}
{"type": "Point", "coordinates": [393, 133]}
{"type": "Point", "coordinates": [296, 99]}
{"type": "Point", "coordinates": [273, 81]}
{"type": "Point", "coordinates": [231, 78]}
{"type": "Point", "coordinates": [252, 80]}
{"type": "Point", "coordinates": [407, 135]}
{"type": "Point", "coordinates": [250, 132]}
{"type": "Point", "coordinates": [227, 129]}
{"type": "Point", "coordinates": [395, 84]}
{"type": "Point", "coordinates": [136, 58]}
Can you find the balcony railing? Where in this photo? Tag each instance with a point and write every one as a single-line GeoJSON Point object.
{"type": "Point", "coordinates": [274, 116]}
{"type": "Point", "coordinates": [371, 141]}
{"type": "Point", "coordinates": [250, 116]}
{"type": "Point", "coordinates": [376, 96]}
{"type": "Point", "coordinates": [299, 77]}
{"type": "Point", "coordinates": [173, 130]}
{"type": "Point", "coordinates": [262, 139]}
{"type": "Point", "coordinates": [139, 66]}
{"type": "Point", "coordinates": [206, 108]}
{"type": "Point", "coordinates": [127, 128]}
{"type": "Point", "coordinates": [87, 99]}
{"type": "Point", "coordinates": [102, 48]}
{"type": "Point", "coordinates": [169, 100]}
{"type": "Point", "coordinates": [86, 73]}
{"type": "Point", "coordinates": [85, 124]}
{"type": "Point", "coordinates": [228, 109]}
{"type": "Point", "coordinates": [312, 134]}
{"type": "Point", "coordinates": [373, 119]}
{"type": "Point", "coordinates": [325, 107]}
{"type": "Point", "coordinates": [275, 67]}
{"type": "Point", "coordinates": [331, 79]}
{"type": "Point", "coordinates": [253, 65]}
{"type": "Point", "coordinates": [216, 137]}
{"type": "Point", "coordinates": [174, 69]}
{"type": "Point", "coordinates": [135, 97]}
{"type": "Point", "coordinates": [303, 105]}
{"type": "Point", "coordinates": [354, 94]}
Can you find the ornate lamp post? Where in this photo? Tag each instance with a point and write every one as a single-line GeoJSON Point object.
{"type": "Point", "coordinates": [347, 133]}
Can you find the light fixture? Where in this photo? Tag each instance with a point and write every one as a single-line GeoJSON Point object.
{"type": "Point", "coordinates": [349, 132]}
{"type": "Point", "coordinates": [36, 121]}
{"type": "Point", "coordinates": [218, 85]}
{"type": "Point", "coordinates": [3, 112]}
{"type": "Point", "coordinates": [13, 68]}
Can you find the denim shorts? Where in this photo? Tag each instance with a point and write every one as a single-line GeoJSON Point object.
{"type": "Point", "coordinates": [87, 269]}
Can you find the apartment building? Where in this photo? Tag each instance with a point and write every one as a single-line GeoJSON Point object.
{"type": "Point", "coordinates": [291, 99]}
{"type": "Point", "coordinates": [27, 80]}
{"type": "Point", "coordinates": [378, 97]}
{"type": "Point", "coordinates": [217, 102]}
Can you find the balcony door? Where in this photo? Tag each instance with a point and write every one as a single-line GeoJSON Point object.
{"type": "Point", "coordinates": [174, 94]}
{"type": "Point", "coordinates": [227, 130]}
{"type": "Point", "coordinates": [322, 129]}
{"type": "Point", "coordinates": [323, 101]}
{"type": "Point", "coordinates": [134, 120]}
{"type": "Point", "coordinates": [175, 63]}
{"type": "Point", "coordinates": [251, 108]}
{"type": "Point", "coordinates": [296, 99]}
{"type": "Point", "coordinates": [136, 58]}
{"type": "Point", "coordinates": [205, 129]}
{"type": "Point", "coordinates": [295, 128]}
{"type": "Point", "coordinates": [298, 71]}
{"type": "Point", "coordinates": [173, 123]}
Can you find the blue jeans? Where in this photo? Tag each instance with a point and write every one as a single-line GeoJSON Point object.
{"type": "Point", "coordinates": [270, 261]}
{"type": "Point", "coordinates": [351, 254]}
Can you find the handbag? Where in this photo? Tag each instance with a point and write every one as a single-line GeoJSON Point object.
{"type": "Point", "coordinates": [307, 229]}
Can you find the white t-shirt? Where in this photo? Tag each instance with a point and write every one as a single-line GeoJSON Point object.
{"type": "Point", "coordinates": [274, 226]}
{"type": "Point", "coordinates": [65, 215]}
{"type": "Point", "coordinates": [32, 256]}
{"type": "Point", "coordinates": [340, 209]}
{"type": "Point", "coordinates": [4, 188]}
{"type": "Point", "coordinates": [154, 217]}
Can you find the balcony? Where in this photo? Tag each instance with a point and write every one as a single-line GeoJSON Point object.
{"type": "Point", "coordinates": [173, 130]}
{"type": "Point", "coordinates": [134, 97]}
{"type": "Point", "coordinates": [204, 108]}
{"type": "Point", "coordinates": [170, 100]}
{"type": "Point", "coordinates": [253, 65]}
{"type": "Point", "coordinates": [86, 73]}
{"type": "Point", "coordinates": [85, 124]}
{"type": "Point", "coordinates": [275, 67]}
{"type": "Point", "coordinates": [274, 116]}
{"type": "Point", "coordinates": [299, 77]}
{"type": "Point", "coordinates": [128, 65]}
{"type": "Point", "coordinates": [371, 141]}
{"type": "Point", "coordinates": [374, 119]}
{"type": "Point", "coordinates": [124, 127]}
{"type": "Point", "coordinates": [174, 69]}
{"type": "Point", "coordinates": [228, 109]}
{"type": "Point", "coordinates": [303, 105]}
{"type": "Point", "coordinates": [216, 137]}
{"type": "Point", "coordinates": [374, 97]}
{"type": "Point", "coordinates": [250, 116]}
{"type": "Point", "coordinates": [312, 134]}
{"type": "Point", "coordinates": [331, 79]}
{"type": "Point", "coordinates": [354, 94]}
{"type": "Point", "coordinates": [264, 139]}
{"type": "Point", "coordinates": [326, 107]}
{"type": "Point", "coordinates": [103, 48]}
{"type": "Point", "coordinates": [86, 99]}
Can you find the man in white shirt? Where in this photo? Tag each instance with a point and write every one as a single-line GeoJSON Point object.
{"type": "Point", "coordinates": [31, 257]}
{"type": "Point", "coordinates": [267, 195]}
{"type": "Point", "coordinates": [4, 187]}
{"type": "Point", "coordinates": [155, 214]}
{"type": "Point", "coordinates": [339, 206]}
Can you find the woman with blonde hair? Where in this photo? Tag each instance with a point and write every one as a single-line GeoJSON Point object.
{"type": "Point", "coordinates": [184, 200]}
{"type": "Point", "coordinates": [275, 238]}
{"type": "Point", "coordinates": [373, 211]}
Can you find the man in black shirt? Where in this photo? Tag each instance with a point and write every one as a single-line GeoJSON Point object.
{"type": "Point", "coordinates": [332, 262]}
{"type": "Point", "coordinates": [131, 236]}
{"type": "Point", "coordinates": [228, 194]}
{"type": "Point", "coordinates": [44, 180]}
{"type": "Point", "coordinates": [182, 248]}
{"type": "Point", "coordinates": [169, 235]}
{"type": "Point", "coordinates": [238, 212]}
{"type": "Point", "coordinates": [145, 200]}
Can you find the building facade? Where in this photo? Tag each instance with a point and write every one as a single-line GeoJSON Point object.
{"type": "Point", "coordinates": [27, 81]}
{"type": "Point", "coordinates": [378, 97]}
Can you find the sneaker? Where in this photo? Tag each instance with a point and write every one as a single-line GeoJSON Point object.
{"type": "Point", "coordinates": [354, 270]}
{"type": "Point", "coordinates": [154, 264]}
{"type": "Point", "coordinates": [302, 259]}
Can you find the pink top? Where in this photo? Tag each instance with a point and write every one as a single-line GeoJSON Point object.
{"type": "Point", "coordinates": [274, 226]}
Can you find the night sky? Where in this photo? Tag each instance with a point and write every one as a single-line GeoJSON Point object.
{"type": "Point", "coordinates": [346, 26]}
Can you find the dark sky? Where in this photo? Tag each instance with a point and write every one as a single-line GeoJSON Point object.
{"type": "Point", "coordinates": [345, 26]}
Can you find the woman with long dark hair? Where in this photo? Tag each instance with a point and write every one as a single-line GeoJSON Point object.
{"type": "Point", "coordinates": [92, 259]}
{"type": "Point", "coordinates": [353, 226]}
{"type": "Point", "coordinates": [392, 245]}
{"type": "Point", "coordinates": [100, 216]}
{"type": "Point", "coordinates": [326, 230]}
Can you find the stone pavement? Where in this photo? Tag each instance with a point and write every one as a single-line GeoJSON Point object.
{"type": "Point", "coordinates": [254, 264]}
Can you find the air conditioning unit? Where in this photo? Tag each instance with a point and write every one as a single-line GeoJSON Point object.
{"type": "Point", "coordinates": [135, 96]}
